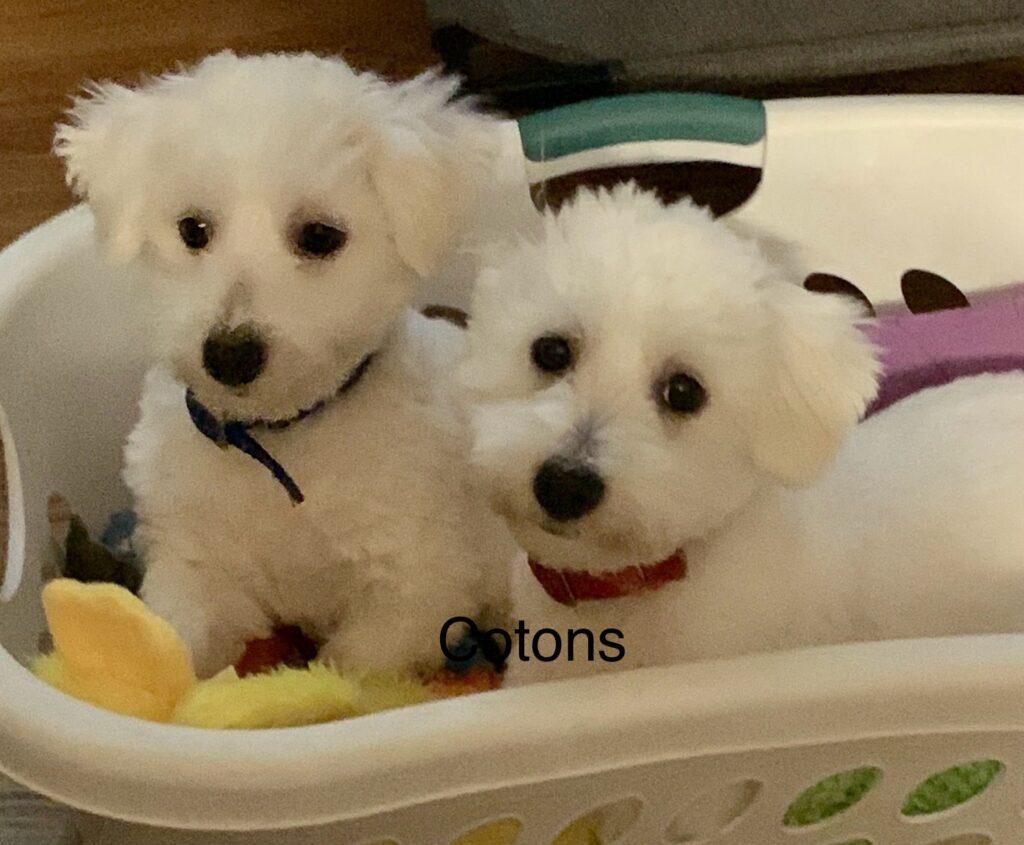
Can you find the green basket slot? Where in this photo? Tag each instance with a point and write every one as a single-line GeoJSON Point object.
{"type": "Point", "coordinates": [663, 116]}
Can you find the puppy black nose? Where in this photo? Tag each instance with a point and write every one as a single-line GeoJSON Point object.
{"type": "Point", "coordinates": [235, 357]}
{"type": "Point", "coordinates": [566, 490]}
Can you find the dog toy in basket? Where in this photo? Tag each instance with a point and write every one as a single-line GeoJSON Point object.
{"type": "Point", "coordinates": [112, 651]}
{"type": "Point", "coordinates": [112, 559]}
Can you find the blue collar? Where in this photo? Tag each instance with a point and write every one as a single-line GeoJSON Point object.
{"type": "Point", "coordinates": [235, 433]}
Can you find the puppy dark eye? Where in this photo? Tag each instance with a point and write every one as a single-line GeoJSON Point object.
{"type": "Point", "coordinates": [195, 232]}
{"type": "Point", "coordinates": [681, 393]}
{"type": "Point", "coordinates": [552, 353]}
{"type": "Point", "coordinates": [319, 240]}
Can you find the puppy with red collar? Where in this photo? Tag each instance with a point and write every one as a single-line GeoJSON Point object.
{"type": "Point", "coordinates": [669, 426]}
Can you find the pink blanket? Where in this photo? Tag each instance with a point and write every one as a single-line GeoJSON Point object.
{"type": "Point", "coordinates": [927, 350]}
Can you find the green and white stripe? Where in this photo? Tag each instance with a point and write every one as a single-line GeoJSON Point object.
{"type": "Point", "coordinates": [643, 129]}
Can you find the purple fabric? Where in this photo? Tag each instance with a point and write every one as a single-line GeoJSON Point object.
{"type": "Point", "coordinates": [928, 350]}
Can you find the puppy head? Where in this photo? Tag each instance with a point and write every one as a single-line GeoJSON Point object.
{"type": "Point", "coordinates": [637, 373]}
{"type": "Point", "coordinates": [287, 204]}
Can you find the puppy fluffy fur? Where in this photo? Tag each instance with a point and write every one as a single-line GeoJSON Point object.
{"type": "Point", "coordinates": [389, 542]}
{"type": "Point", "coordinates": [799, 526]}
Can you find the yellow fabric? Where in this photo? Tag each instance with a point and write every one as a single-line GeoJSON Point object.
{"type": "Point", "coordinates": [500, 832]}
{"type": "Point", "coordinates": [113, 651]}
{"type": "Point", "coordinates": [581, 832]}
{"type": "Point", "coordinates": [506, 832]}
{"type": "Point", "coordinates": [386, 691]}
{"type": "Point", "coordinates": [280, 699]}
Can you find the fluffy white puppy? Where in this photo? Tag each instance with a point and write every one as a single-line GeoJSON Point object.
{"type": "Point", "coordinates": [668, 425]}
{"type": "Point", "coordinates": [287, 209]}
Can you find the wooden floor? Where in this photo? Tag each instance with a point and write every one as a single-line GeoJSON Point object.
{"type": "Point", "coordinates": [48, 48]}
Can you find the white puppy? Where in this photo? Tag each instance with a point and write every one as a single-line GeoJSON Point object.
{"type": "Point", "coordinates": [287, 209]}
{"type": "Point", "coordinates": [668, 426]}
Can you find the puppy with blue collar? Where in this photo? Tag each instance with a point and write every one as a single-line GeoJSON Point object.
{"type": "Point", "coordinates": [299, 458]}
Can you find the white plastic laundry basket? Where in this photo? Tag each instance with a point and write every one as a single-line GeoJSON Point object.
{"type": "Point", "coordinates": [715, 752]}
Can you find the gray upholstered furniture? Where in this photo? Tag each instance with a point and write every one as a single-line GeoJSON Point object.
{"type": "Point", "coordinates": [647, 42]}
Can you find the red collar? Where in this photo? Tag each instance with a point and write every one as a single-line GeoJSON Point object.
{"type": "Point", "coordinates": [569, 586]}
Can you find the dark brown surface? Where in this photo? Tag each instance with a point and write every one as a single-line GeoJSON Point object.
{"type": "Point", "coordinates": [49, 48]}
{"type": "Point", "coordinates": [924, 291]}
{"type": "Point", "coordinates": [716, 185]}
{"type": "Point", "coordinates": [1005, 76]}
{"type": "Point", "coordinates": [827, 283]}
{"type": "Point", "coordinates": [522, 82]}
{"type": "Point", "coordinates": [455, 316]}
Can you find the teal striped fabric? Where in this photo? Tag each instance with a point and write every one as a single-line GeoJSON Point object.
{"type": "Point", "coordinates": [663, 116]}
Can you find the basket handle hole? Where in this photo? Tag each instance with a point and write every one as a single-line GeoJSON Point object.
{"type": "Point", "coordinates": [831, 796]}
{"type": "Point", "coordinates": [713, 812]}
{"type": "Point", "coordinates": [951, 788]}
{"type": "Point", "coordinates": [504, 831]}
{"type": "Point", "coordinates": [602, 825]}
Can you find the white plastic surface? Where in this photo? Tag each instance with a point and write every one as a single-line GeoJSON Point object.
{"type": "Point", "coordinates": [72, 350]}
{"type": "Point", "coordinates": [12, 555]}
{"type": "Point", "coordinates": [868, 188]}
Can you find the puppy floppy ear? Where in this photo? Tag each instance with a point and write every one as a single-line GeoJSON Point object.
{"type": "Point", "coordinates": [100, 157]}
{"type": "Point", "coordinates": [414, 185]}
{"type": "Point", "coordinates": [823, 375]}
{"type": "Point", "coordinates": [432, 156]}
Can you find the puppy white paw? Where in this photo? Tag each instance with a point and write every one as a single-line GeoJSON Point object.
{"type": "Point", "coordinates": [215, 620]}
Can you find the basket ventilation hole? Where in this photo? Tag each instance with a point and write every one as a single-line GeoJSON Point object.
{"type": "Point", "coordinates": [498, 832]}
{"type": "Point", "coordinates": [827, 283]}
{"type": "Point", "coordinates": [966, 839]}
{"type": "Point", "coordinates": [712, 812]}
{"type": "Point", "coordinates": [950, 788]}
{"type": "Point", "coordinates": [603, 825]}
{"type": "Point", "coordinates": [829, 797]}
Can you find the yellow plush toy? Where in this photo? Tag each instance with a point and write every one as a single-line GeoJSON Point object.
{"type": "Point", "coordinates": [112, 651]}
{"type": "Point", "coordinates": [506, 832]}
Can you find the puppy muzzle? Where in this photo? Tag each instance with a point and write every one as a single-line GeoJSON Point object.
{"type": "Point", "coordinates": [235, 357]}
{"type": "Point", "coordinates": [567, 490]}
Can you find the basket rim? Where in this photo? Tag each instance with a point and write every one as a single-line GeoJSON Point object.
{"type": "Point", "coordinates": [188, 778]}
